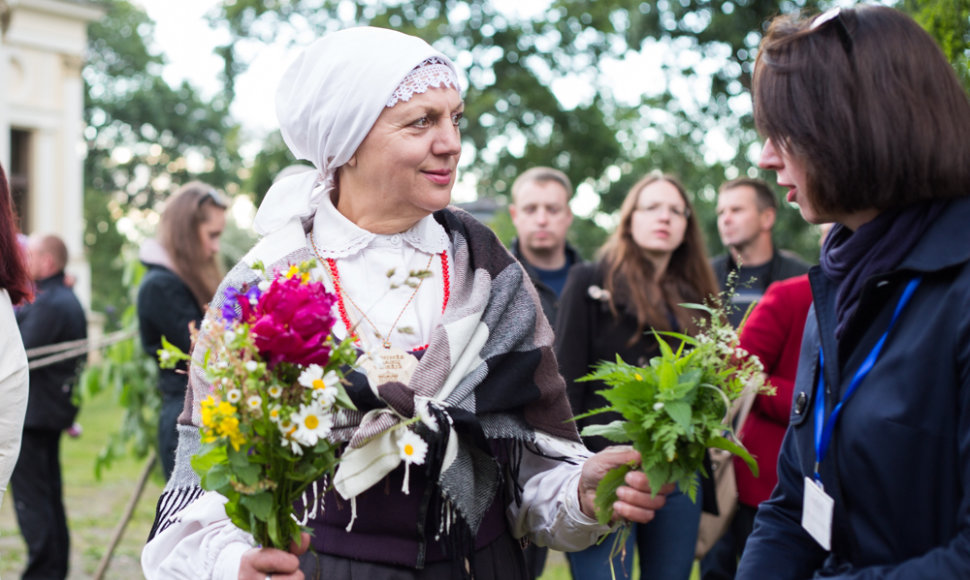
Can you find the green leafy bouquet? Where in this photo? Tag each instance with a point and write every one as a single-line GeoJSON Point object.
{"type": "Point", "coordinates": [675, 408]}
{"type": "Point", "coordinates": [276, 374]}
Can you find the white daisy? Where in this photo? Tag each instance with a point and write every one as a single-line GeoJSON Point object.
{"type": "Point", "coordinates": [275, 391]}
{"type": "Point", "coordinates": [233, 396]}
{"type": "Point", "coordinates": [254, 402]}
{"type": "Point", "coordinates": [324, 385]}
{"type": "Point", "coordinates": [411, 447]}
{"type": "Point", "coordinates": [274, 413]}
{"type": "Point", "coordinates": [313, 423]}
{"type": "Point", "coordinates": [251, 366]}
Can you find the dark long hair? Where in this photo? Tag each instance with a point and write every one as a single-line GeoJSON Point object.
{"type": "Point", "coordinates": [868, 103]}
{"type": "Point", "coordinates": [629, 275]}
{"type": "Point", "coordinates": [178, 232]}
{"type": "Point", "coordinates": [14, 277]}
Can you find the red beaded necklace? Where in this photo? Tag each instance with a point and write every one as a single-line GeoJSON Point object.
{"type": "Point", "coordinates": [342, 306]}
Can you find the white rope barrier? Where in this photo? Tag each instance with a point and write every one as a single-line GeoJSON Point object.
{"type": "Point", "coordinates": [67, 350]}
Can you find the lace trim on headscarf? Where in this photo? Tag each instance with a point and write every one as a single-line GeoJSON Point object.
{"type": "Point", "coordinates": [431, 73]}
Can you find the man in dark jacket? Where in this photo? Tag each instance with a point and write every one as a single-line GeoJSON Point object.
{"type": "Point", "coordinates": [746, 210]}
{"type": "Point", "coordinates": [54, 317]}
{"type": "Point", "coordinates": [541, 215]}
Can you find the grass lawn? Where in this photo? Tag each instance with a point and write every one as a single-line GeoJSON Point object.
{"type": "Point", "coordinates": [94, 508]}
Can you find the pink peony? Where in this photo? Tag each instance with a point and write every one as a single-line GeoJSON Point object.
{"type": "Point", "coordinates": [293, 320]}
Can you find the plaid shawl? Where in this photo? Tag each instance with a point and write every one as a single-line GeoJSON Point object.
{"type": "Point", "coordinates": [489, 373]}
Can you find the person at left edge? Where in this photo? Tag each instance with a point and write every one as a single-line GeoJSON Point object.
{"type": "Point", "coordinates": [55, 317]}
{"type": "Point", "coordinates": [377, 113]}
{"type": "Point", "coordinates": [183, 274]}
{"type": "Point", "coordinates": [15, 289]}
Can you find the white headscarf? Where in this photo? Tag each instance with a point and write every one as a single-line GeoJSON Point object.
{"type": "Point", "coordinates": [327, 101]}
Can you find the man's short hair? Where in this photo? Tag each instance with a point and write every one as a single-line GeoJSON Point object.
{"type": "Point", "coordinates": [764, 197]}
{"type": "Point", "coordinates": [54, 245]}
{"type": "Point", "coordinates": [541, 175]}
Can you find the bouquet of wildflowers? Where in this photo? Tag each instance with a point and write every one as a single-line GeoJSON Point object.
{"type": "Point", "coordinates": [677, 406]}
{"type": "Point", "coordinates": [275, 370]}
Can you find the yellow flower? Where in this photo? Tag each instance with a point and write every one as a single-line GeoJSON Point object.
{"type": "Point", "coordinates": [220, 420]}
{"type": "Point", "coordinates": [294, 271]}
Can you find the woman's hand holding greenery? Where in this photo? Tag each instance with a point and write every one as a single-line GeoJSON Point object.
{"type": "Point", "coordinates": [677, 406]}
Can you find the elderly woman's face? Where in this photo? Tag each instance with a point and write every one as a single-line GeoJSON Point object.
{"type": "Point", "coordinates": [407, 163]}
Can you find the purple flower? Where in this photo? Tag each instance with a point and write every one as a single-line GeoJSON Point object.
{"type": "Point", "coordinates": [239, 305]}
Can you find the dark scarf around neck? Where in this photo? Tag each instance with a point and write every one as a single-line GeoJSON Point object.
{"type": "Point", "coordinates": [878, 246]}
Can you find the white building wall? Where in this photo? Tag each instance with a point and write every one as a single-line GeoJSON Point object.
{"type": "Point", "coordinates": [42, 48]}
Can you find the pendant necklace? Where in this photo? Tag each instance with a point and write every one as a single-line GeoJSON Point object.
{"type": "Point", "coordinates": [391, 364]}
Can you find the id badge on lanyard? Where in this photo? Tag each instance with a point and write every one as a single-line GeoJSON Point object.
{"type": "Point", "coordinates": [817, 505]}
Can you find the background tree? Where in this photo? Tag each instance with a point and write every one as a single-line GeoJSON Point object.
{"type": "Point", "coordinates": [541, 88]}
{"type": "Point", "coordinates": [144, 138]}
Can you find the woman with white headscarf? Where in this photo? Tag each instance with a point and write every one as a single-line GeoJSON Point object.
{"type": "Point", "coordinates": [377, 112]}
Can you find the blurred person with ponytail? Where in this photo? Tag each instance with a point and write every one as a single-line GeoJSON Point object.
{"type": "Point", "coordinates": [183, 274]}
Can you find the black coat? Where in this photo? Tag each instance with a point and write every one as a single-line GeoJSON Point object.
{"type": "Point", "coordinates": [898, 465]}
{"type": "Point", "coordinates": [54, 317]}
{"type": "Point", "coordinates": [783, 265]}
{"type": "Point", "coordinates": [166, 307]}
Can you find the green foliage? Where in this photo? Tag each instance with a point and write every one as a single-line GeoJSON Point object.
{"type": "Point", "coordinates": [144, 138]}
{"type": "Point", "coordinates": [675, 408]}
{"type": "Point", "coordinates": [948, 21]}
{"type": "Point", "coordinates": [518, 117]}
{"type": "Point", "coordinates": [131, 376]}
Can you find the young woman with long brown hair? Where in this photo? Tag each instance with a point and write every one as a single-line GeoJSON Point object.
{"type": "Point", "coordinates": [183, 274]}
{"type": "Point", "coordinates": [652, 263]}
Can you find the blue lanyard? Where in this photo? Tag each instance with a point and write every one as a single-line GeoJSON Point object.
{"type": "Point", "coordinates": [823, 428]}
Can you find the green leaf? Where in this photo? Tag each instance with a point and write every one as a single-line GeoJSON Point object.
{"type": "Point", "coordinates": [737, 449]}
{"type": "Point", "coordinates": [217, 478]}
{"type": "Point", "coordinates": [680, 412]}
{"type": "Point", "coordinates": [260, 504]}
{"type": "Point", "coordinates": [615, 431]}
{"type": "Point", "coordinates": [208, 457]}
{"type": "Point", "coordinates": [606, 492]}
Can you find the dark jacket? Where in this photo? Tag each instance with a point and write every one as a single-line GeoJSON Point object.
{"type": "Point", "coordinates": [898, 467]}
{"type": "Point", "coordinates": [166, 306]}
{"type": "Point", "coordinates": [547, 296]}
{"type": "Point", "coordinates": [54, 317]}
{"type": "Point", "coordinates": [783, 265]}
{"type": "Point", "coordinates": [587, 333]}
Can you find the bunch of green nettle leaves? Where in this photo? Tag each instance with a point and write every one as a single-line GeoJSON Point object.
{"type": "Point", "coordinates": [677, 407]}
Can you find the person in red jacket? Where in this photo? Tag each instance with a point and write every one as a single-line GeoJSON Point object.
{"type": "Point", "coordinates": [773, 333]}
